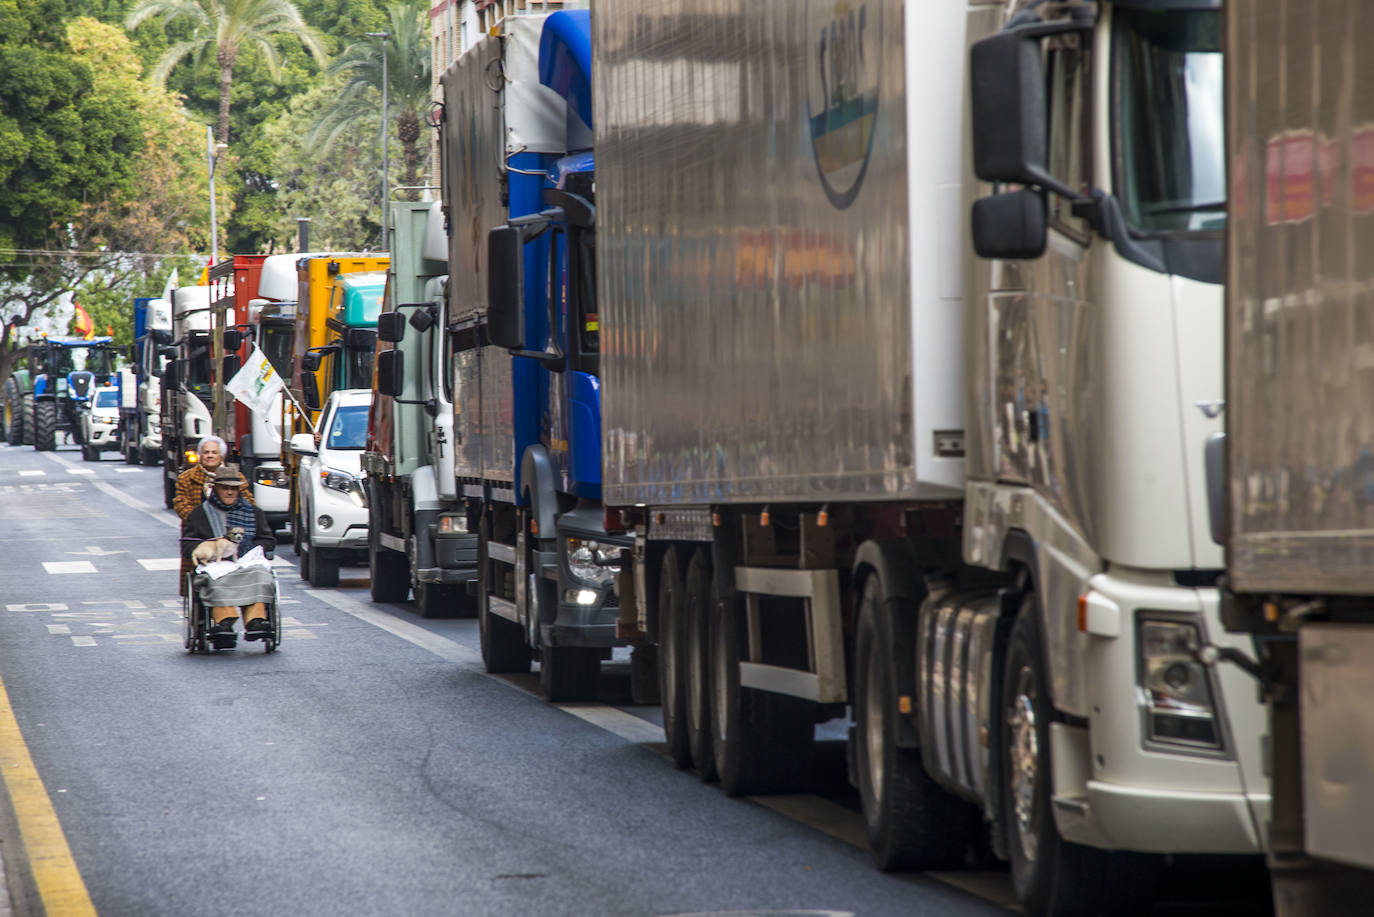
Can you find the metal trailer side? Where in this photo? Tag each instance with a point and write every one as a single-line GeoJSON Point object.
{"type": "Point", "coordinates": [780, 258]}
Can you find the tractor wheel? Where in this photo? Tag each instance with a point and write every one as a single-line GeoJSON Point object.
{"type": "Point", "coordinates": [45, 426]}
{"type": "Point", "coordinates": [14, 413]}
{"type": "Point", "coordinates": [26, 412]}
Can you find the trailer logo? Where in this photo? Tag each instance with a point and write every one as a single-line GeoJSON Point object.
{"type": "Point", "coordinates": [843, 52]}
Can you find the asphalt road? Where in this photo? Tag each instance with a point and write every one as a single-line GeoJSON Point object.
{"type": "Point", "coordinates": [369, 766]}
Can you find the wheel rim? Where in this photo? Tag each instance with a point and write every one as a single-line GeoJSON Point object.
{"type": "Point", "coordinates": [1023, 751]}
{"type": "Point", "coordinates": [873, 726]}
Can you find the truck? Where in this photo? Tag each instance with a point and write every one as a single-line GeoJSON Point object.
{"type": "Point", "coordinates": [186, 385]}
{"type": "Point", "coordinates": [418, 538]}
{"type": "Point", "coordinates": [517, 161]}
{"type": "Point", "coordinates": [46, 398]}
{"type": "Point", "coordinates": [848, 467]}
{"type": "Point", "coordinates": [1291, 479]}
{"type": "Point", "coordinates": [334, 346]}
{"type": "Point", "coordinates": [140, 386]}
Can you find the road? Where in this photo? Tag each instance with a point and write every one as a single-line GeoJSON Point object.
{"type": "Point", "coordinates": [369, 766]}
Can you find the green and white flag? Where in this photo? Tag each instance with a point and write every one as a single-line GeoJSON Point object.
{"type": "Point", "coordinates": [256, 384]}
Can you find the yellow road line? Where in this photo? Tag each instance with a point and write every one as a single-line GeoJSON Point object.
{"type": "Point", "coordinates": [60, 886]}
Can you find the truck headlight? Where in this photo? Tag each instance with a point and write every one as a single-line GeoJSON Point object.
{"type": "Point", "coordinates": [272, 477]}
{"type": "Point", "coordinates": [1176, 689]}
{"type": "Point", "coordinates": [344, 483]}
{"type": "Point", "coordinates": [593, 563]}
{"type": "Point", "coordinates": [455, 524]}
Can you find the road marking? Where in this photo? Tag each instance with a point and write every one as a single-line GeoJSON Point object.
{"type": "Point", "coordinates": [442, 647]}
{"type": "Point", "coordinates": [614, 720]}
{"type": "Point", "coordinates": [96, 551]}
{"type": "Point", "coordinates": [109, 489]}
{"type": "Point", "coordinates": [80, 471]}
{"type": "Point", "coordinates": [69, 566]}
{"type": "Point", "coordinates": [37, 606]}
{"type": "Point", "coordinates": [59, 882]}
{"type": "Point", "coordinates": [160, 563]}
{"type": "Point", "coordinates": [128, 471]}
{"type": "Point", "coordinates": [83, 641]}
{"type": "Point", "coordinates": [32, 473]}
{"type": "Point", "coordinates": [59, 628]}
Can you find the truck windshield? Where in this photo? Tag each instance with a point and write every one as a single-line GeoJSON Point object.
{"type": "Point", "coordinates": [1167, 85]}
{"type": "Point", "coordinates": [276, 339]}
{"type": "Point", "coordinates": [357, 367]}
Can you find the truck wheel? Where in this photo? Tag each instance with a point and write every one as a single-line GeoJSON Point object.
{"type": "Point", "coordinates": [149, 456]}
{"type": "Point", "coordinates": [644, 674]}
{"type": "Point", "coordinates": [912, 822]}
{"type": "Point", "coordinates": [323, 566]}
{"type": "Point", "coordinates": [44, 426]}
{"type": "Point", "coordinates": [697, 618]}
{"type": "Point", "coordinates": [390, 571]}
{"type": "Point", "coordinates": [169, 489]}
{"type": "Point", "coordinates": [569, 673]}
{"type": "Point", "coordinates": [672, 682]}
{"type": "Point", "coordinates": [761, 741]}
{"type": "Point", "coordinates": [503, 642]}
{"type": "Point", "coordinates": [435, 600]}
{"type": "Point", "coordinates": [1051, 875]}
{"type": "Point", "coordinates": [130, 450]}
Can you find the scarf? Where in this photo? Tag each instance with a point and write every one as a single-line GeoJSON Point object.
{"type": "Point", "coordinates": [223, 515]}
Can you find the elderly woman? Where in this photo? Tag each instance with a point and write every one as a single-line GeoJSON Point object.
{"type": "Point", "coordinates": [247, 587]}
{"type": "Point", "coordinates": [193, 486]}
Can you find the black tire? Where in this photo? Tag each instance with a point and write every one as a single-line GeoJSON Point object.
{"type": "Point", "coordinates": [324, 566]}
{"type": "Point", "coordinates": [130, 449]}
{"type": "Point", "coordinates": [912, 822]}
{"type": "Point", "coordinates": [14, 413]}
{"type": "Point", "coordinates": [297, 527]}
{"type": "Point", "coordinates": [697, 604]}
{"type": "Point", "coordinates": [503, 642]}
{"type": "Point", "coordinates": [570, 673]}
{"type": "Point", "coordinates": [149, 456]}
{"type": "Point", "coordinates": [1052, 876]}
{"type": "Point", "coordinates": [390, 571]}
{"type": "Point", "coordinates": [672, 657]}
{"type": "Point", "coordinates": [761, 741]}
{"type": "Point", "coordinates": [644, 674]}
{"type": "Point", "coordinates": [89, 453]}
{"type": "Point", "coordinates": [27, 412]}
{"type": "Point", "coordinates": [44, 426]}
{"type": "Point", "coordinates": [436, 600]}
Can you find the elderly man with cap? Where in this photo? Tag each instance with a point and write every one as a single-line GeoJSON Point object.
{"type": "Point", "coordinates": [247, 587]}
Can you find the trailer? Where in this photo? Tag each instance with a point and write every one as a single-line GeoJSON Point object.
{"type": "Point", "coordinates": [1291, 478]}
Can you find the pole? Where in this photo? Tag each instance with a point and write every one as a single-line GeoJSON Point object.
{"type": "Point", "coordinates": [384, 36]}
{"type": "Point", "coordinates": [210, 158]}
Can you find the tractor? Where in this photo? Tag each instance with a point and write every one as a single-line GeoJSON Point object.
{"type": "Point", "coordinates": [46, 398]}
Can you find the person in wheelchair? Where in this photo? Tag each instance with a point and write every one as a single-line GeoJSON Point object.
{"type": "Point", "coordinates": [223, 527]}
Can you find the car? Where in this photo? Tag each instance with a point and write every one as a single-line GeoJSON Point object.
{"type": "Point", "coordinates": [99, 422]}
{"type": "Point", "coordinates": [331, 519]}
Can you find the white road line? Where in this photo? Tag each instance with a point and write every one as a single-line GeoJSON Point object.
{"type": "Point", "coordinates": [37, 606]}
{"type": "Point", "coordinates": [442, 647]}
{"type": "Point", "coordinates": [32, 473]}
{"type": "Point", "coordinates": [83, 641]}
{"type": "Point", "coordinates": [614, 720]}
{"type": "Point", "coordinates": [128, 471]}
{"type": "Point", "coordinates": [58, 567]}
{"type": "Point", "coordinates": [59, 629]}
{"type": "Point", "coordinates": [80, 471]}
{"type": "Point", "coordinates": [160, 563]}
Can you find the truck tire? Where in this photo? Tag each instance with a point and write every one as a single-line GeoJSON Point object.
{"type": "Point", "coordinates": [912, 822]}
{"type": "Point", "coordinates": [44, 426]}
{"type": "Point", "coordinates": [14, 413]}
{"type": "Point", "coordinates": [149, 456]}
{"type": "Point", "coordinates": [697, 674]}
{"type": "Point", "coordinates": [1051, 875]}
{"type": "Point", "coordinates": [389, 570]}
{"type": "Point", "coordinates": [569, 673]}
{"type": "Point", "coordinates": [644, 674]}
{"type": "Point", "coordinates": [169, 488]}
{"type": "Point", "coordinates": [672, 683]}
{"type": "Point", "coordinates": [322, 566]}
{"type": "Point", "coordinates": [503, 642]}
{"type": "Point", "coordinates": [761, 740]}
{"type": "Point", "coordinates": [436, 600]}
{"type": "Point", "coordinates": [129, 446]}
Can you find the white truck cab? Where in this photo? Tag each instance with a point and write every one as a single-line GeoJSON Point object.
{"type": "Point", "coordinates": [332, 519]}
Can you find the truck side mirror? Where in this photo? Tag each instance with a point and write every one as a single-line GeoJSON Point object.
{"type": "Point", "coordinates": [391, 327]}
{"type": "Point", "coordinates": [360, 339]}
{"type": "Point", "coordinates": [1010, 225]}
{"type": "Point", "coordinates": [310, 362]}
{"type": "Point", "coordinates": [391, 373]}
{"type": "Point", "coordinates": [505, 288]}
{"type": "Point", "coordinates": [233, 339]}
{"type": "Point", "coordinates": [171, 375]}
{"type": "Point", "coordinates": [310, 392]}
{"type": "Point", "coordinates": [1007, 95]}
{"type": "Point", "coordinates": [232, 364]}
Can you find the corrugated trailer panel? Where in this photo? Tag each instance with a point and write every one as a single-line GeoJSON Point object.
{"type": "Point", "coordinates": [494, 108]}
{"type": "Point", "coordinates": [754, 252]}
{"type": "Point", "coordinates": [1300, 297]}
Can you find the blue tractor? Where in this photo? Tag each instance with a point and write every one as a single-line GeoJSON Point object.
{"type": "Point", "coordinates": [46, 397]}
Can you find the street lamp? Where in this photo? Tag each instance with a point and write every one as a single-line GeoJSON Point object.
{"type": "Point", "coordinates": [383, 36]}
{"type": "Point", "coordinates": [213, 151]}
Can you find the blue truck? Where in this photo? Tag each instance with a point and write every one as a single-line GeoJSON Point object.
{"type": "Point", "coordinates": [518, 192]}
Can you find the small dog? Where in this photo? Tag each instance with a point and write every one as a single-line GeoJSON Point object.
{"type": "Point", "coordinates": [226, 547]}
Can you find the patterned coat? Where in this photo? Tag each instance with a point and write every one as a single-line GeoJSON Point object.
{"type": "Point", "coordinates": [192, 486]}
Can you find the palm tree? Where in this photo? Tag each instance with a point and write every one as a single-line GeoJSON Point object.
{"type": "Point", "coordinates": [227, 26]}
{"type": "Point", "coordinates": [408, 84]}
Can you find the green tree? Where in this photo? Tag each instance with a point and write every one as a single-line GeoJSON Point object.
{"type": "Point", "coordinates": [407, 83]}
{"type": "Point", "coordinates": [227, 26]}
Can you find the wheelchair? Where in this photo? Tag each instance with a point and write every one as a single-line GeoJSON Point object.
{"type": "Point", "coordinates": [196, 618]}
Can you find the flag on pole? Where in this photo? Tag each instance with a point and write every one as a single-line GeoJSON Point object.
{"type": "Point", "coordinates": [256, 384]}
{"type": "Point", "coordinates": [83, 323]}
